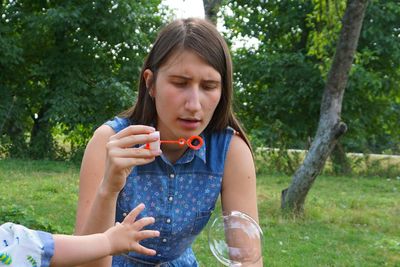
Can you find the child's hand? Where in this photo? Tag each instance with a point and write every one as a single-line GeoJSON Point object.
{"type": "Point", "coordinates": [125, 236]}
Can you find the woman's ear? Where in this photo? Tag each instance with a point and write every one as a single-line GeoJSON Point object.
{"type": "Point", "coordinates": [148, 78]}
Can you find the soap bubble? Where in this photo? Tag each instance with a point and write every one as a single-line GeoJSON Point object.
{"type": "Point", "coordinates": [235, 239]}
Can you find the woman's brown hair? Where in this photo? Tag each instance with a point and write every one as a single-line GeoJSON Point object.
{"type": "Point", "coordinates": [201, 37]}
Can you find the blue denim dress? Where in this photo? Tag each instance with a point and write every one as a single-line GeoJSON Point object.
{"type": "Point", "coordinates": [180, 196]}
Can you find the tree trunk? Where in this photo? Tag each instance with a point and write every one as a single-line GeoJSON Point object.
{"type": "Point", "coordinates": [15, 131]}
{"type": "Point", "coordinates": [340, 162]}
{"type": "Point", "coordinates": [13, 128]}
{"type": "Point", "coordinates": [330, 126]}
{"type": "Point", "coordinates": [41, 144]}
{"type": "Point", "coordinates": [211, 8]}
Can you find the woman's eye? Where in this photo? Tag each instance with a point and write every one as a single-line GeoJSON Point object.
{"type": "Point", "coordinates": [179, 84]}
{"type": "Point", "coordinates": [209, 86]}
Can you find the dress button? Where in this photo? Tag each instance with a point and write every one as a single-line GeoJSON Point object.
{"type": "Point", "coordinates": [171, 175]}
{"type": "Point", "coordinates": [168, 220]}
{"type": "Point", "coordinates": [164, 240]}
{"type": "Point", "coordinates": [171, 198]}
{"type": "Point", "coordinates": [124, 214]}
{"type": "Point", "coordinates": [159, 255]}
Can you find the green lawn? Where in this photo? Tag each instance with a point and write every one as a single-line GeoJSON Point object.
{"type": "Point", "coordinates": [348, 221]}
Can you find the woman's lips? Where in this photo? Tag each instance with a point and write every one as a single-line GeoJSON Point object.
{"type": "Point", "coordinates": [190, 123]}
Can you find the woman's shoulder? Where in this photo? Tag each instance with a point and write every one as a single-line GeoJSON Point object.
{"type": "Point", "coordinates": [228, 132]}
{"type": "Point", "coordinates": [238, 145]}
{"type": "Point", "coordinates": [118, 123]}
{"type": "Point", "coordinates": [109, 128]}
{"type": "Point", "coordinates": [217, 145]}
{"type": "Point", "coordinates": [233, 143]}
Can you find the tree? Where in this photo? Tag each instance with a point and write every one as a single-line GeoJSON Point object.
{"type": "Point", "coordinates": [77, 64]}
{"type": "Point", "coordinates": [11, 58]}
{"type": "Point", "coordinates": [211, 8]}
{"type": "Point", "coordinates": [330, 126]}
{"type": "Point", "coordinates": [372, 103]}
{"type": "Point", "coordinates": [280, 77]}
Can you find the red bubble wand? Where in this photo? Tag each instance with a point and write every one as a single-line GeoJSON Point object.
{"type": "Point", "coordinates": [194, 142]}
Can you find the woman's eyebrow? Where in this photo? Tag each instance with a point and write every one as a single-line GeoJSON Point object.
{"type": "Point", "coordinates": [180, 77]}
{"type": "Point", "coordinates": [214, 82]}
{"type": "Point", "coordinates": [190, 78]}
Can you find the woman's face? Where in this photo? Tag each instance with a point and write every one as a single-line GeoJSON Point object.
{"type": "Point", "coordinates": [186, 93]}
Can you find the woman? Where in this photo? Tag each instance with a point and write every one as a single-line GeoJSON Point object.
{"type": "Point", "coordinates": [185, 90]}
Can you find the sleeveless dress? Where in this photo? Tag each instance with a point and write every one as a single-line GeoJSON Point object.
{"type": "Point", "coordinates": [180, 196]}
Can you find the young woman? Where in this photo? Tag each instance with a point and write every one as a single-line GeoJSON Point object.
{"type": "Point", "coordinates": [185, 90]}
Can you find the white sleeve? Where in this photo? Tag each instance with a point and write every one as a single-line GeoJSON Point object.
{"type": "Point", "coordinates": [22, 247]}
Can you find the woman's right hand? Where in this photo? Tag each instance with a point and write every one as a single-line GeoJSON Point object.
{"type": "Point", "coordinates": [122, 156]}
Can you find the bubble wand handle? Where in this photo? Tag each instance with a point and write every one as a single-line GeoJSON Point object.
{"type": "Point", "coordinates": [195, 142]}
{"type": "Point", "coordinates": [180, 141]}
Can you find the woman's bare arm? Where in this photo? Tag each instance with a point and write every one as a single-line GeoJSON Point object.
{"type": "Point", "coordinates": [239, 181]}
{"type": "Point", "coordinates": [108, 160]}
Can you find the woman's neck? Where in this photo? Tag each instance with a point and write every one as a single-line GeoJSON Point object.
{"type": "Point", "coordinates": [172, 152]}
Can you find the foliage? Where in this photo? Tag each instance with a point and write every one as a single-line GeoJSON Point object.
{"type": "Point", "coordinates": [21, 215]}
{"type": "Point", "coordinates": [68, 64]}
{"type": "Point", "coordinates": [372, 108]}
{"type": "Point", "coordinates": [277, 160]}
{"type": "Point", "coordinates": [281, 77]}
{"type": "Point", "coordinates": [280, 161]}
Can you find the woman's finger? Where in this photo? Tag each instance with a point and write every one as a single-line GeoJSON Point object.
{"type": "Point", "coordinates": [133, 130]}
{"type": "Point", "coordinates": [125, 163]}
{"type": "Point", "coordinates": [132, 153]}
{"type": "Point", "coordinates": [131, 140]}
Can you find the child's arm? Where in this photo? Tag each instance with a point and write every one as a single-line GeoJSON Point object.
{"type": "Point", "coordinates": [123, 237]}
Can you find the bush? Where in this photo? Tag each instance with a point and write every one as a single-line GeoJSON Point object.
{"type": "Point", "coordinates": [286, 161]}
{"type": "Point", "coordinates": [25, 216]}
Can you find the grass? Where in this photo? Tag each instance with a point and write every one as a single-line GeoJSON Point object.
{"type": "Point", "coordinates": [349, 221]}
{"type": "Point", "coordinates": [46, 190]}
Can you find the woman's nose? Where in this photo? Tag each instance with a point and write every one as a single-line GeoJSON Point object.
{"type": "Point", "coordinates": [193, 99]}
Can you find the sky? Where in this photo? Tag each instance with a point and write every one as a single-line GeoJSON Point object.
{"type": "Point", "coordinates": [195, 8]}
{"type": "Point", "coordinates": [186, 8]}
